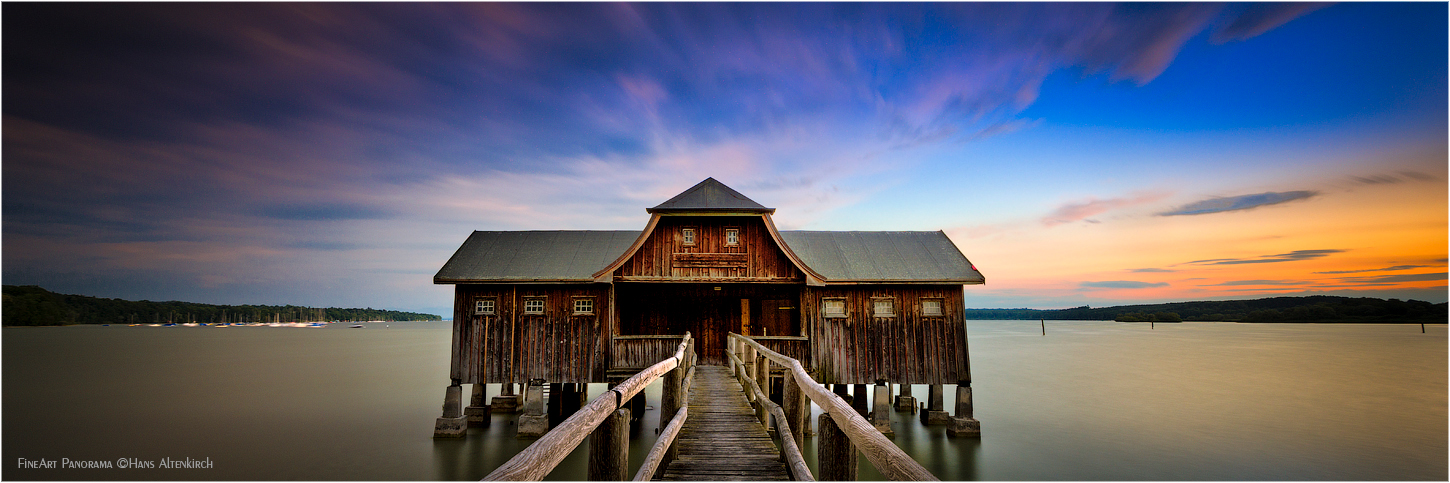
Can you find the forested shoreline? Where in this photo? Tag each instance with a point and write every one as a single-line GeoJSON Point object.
{"type": "Point", "coordinates": [29, 305]}
{"type": "Point", "coordinates": [1315, 309]}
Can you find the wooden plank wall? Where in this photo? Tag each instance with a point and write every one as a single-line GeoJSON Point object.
{"type": "Point", "coordinates": [639, 352]}
{"type": "Point", "coordinates": [907, 348]}
{"type": "Point", "coordinates": [797, 348]}
{"type": "Point", "coordinates": [512, 347]}
{"type": "Point", "coordinates": [708, 314]}
{"type": "Point", "coordinates": [664, 256]}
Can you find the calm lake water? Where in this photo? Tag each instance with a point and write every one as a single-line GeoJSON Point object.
{"type": "Point", "coordinates": [1088, 401]}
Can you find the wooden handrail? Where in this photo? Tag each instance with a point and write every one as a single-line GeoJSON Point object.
{"type": "Point", "coordinates": [539, 459]}
{"type": "Point", "coordinates": [890, 460]}
{"type": "Point", "coordinates": [798, 467]}
{"type": "Point", "coordinates": [667, 435]}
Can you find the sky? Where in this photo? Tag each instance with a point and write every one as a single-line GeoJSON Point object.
{"type": "Point", "coordinates": [1077, 153]}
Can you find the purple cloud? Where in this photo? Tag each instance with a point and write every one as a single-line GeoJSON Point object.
{"type": "Point", "coordinates": [1239, 203]}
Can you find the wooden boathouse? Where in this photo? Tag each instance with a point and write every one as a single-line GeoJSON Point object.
{"type": "Point", "coordinates": [566, 308]}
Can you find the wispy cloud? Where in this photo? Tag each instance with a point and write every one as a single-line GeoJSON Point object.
{"type": "Point", "coordinates": [1413, 277]}
{"type": "Point", "coordinates": [1151, 270]}
{"type": "Point", "coordinates": [1081, 210]}
{"type": "Point", "coordinates": [1386, 269]}
{"type": "Point", "coordinates": [1401, 177]}
{"type": "Point", "coordinates": [1295, 255]}
{"type": "Point", "coordinates": [1239, 203]}
{"type": "Point", "coordinates": [1122, 284]}
{"type": "Point", "coordinates": [1255, 282]}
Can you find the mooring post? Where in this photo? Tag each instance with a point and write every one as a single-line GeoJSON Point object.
{"type": "Point", "coordinates": [609, 448]}
{"type": "Point", "coordinates": [935, 413]}
{"type": "Point", "coordinates": [836, 455]}
{"type": "Point", "coordinates": [533, 422]}
{"type": "Point", "coordinates": [477, 411]}
{"type": "Point", "coordinates": [861, 400]}
{"type": "Point", "coordinates": [881, 409]}
{"type": "Point", "coordinates": [507, 401]}
{"type": "Point", "coordinates": [791, 402]}
{"type": "Point", "coordinates": [905, 402]}
{"type": "Point", "coordinates": [453, 424]}
{"type": "Point", "coordinates": [963, 424]}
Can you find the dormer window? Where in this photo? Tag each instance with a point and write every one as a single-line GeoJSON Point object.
{"type": "Point", "coordinates": [687, 236]}
{"type": "Point", "coordinates": [732, 236]}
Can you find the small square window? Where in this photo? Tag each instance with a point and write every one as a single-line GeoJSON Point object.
{"type": "Point", "coordinates": [483, 306]}
{"type": "Point", "coordinates": [732, 237]}
{"type": "Point", "coordinates": [688, 236]}
{"type": "Point", "coordinates": [931, 307]}
{"type": "Point", "coordinates": [833, 307]}
{"type": "Point", "coordinates": [533, 306]}
{"type": "Point", "coordinates": [883, 308]}
{"type": "Point", "coordinates": [584, 306]}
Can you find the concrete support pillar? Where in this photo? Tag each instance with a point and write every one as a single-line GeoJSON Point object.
{"type": "Point", "coordinates": [881, 409]}
{"type": "Point", "coordinates": [555, 404]}
{"type": "Point", "coordinates": [861, 399]}
{"type": "Point", "coordinates": [453, 424]}
{"type": "Point", "coordinates": [963, 425]}
{"type": "Point", "coordinates": [834, 452]}
{"type": "Point", "coordinates": [533, 422]}
{"type": "Point", "coordinates": [935, 413]}
{"type": "Point", "coordinates": [797, 408]}
{"type": "Point", "coordinates": [609, 448]}
{"type": "Point", "coordinates": [507, 401]}
{"type": "Point", "coordinates": [905, 402]}
{"type": "Point", "coordinates": [478, 412]}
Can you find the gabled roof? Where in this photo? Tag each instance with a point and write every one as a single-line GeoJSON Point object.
{"type": "Point", "coordinates": [534, 256]}
{"type": "Point", "coordinates": [710, 196]}
{"type": "Point", "coordinates": [882, 256]}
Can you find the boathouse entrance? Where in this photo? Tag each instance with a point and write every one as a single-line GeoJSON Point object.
{"type": "Point", "coordinates": [709, 311]}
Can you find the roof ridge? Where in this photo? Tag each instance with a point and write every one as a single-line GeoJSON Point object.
{"type": "Point", "coordinates": [710, 195]}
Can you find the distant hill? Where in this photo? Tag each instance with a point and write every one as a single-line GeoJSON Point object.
{"type": "Point", "coordinates": [31, 305]}
{"type": "Point", "coordinates": [1317, 308]}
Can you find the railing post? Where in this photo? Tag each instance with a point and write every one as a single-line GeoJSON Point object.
{"type": "Point", "coordinates": [670, 396]}
{"type": "Point", "coordinates": [836, 455]}
{"type": "Point", "coordinates": [609, 448]}
{"type": "Point", "coordinates": [762, 379]}
{"type": "Point", "coordinates": [795, 413]}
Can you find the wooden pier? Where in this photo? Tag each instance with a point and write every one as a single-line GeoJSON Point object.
{"type": "Point", "coordinates": [723, 440]}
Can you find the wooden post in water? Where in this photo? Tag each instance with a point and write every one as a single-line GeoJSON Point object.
{"type": "Point", "coordinates": [1044, 326]}
{"type": "Point", "coordinates": [861, 400]}
{"type": "Point", "coordinates": [835, 454]}
{"type": "Point", "coordinates": [533, 422]}
{"type": "Point", "coordinates": [477, 411]}
{"type": "Point", "coordinates": [453, 424]}
{"type": "Point", "coordinates": [671, 396]}
{"type": "Point", "coordinates": [555, 403]}
{"type": "Point", "coordinates": [762, 378]}
{"type": "Point", "coordinates": [935, 412]}
{"type": "Point", "coordinates": [609, 448]}
{"type": "Point", "coordinates": [881, 409]}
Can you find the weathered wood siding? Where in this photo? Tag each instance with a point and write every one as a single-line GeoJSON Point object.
{"type": "Point", "coordinates": [641, 351]}
{"type": "Point", "coordinates": [907, 348]}
{"type": "Point", "coordinates": [708, 314]}
{"type": "Point", "coordinates": [798, 348]}
{"type": "Point", "coordinates": [665, 256]}
{"type": "Point", "coordinates": [511, 346]}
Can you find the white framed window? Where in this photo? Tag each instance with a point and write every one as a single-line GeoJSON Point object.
{"type": "Point", "coordinates": [931, 307]}
{"type": "Point", "coordinates": [732, 237]}
{"type": "Point", "coordinates": [687, 236]}
{"type": "Point", "coordinates": [533, 306]}
{"type": "Point", "coordinates": [584, 306]}
{"type": "Point", "coordinates": [833, 308]}
{"type": "Point", "coordinates": [883, 307]}
{"type": "Point", "coordinates": [483, 306]}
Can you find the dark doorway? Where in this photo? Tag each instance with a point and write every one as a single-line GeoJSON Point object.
{"type": "Point", "coordinates": [707, 311]}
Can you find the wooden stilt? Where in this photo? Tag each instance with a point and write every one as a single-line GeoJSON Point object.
{"type": "Point", "coordinates": [836, 455]}
{"type": "Point", "coordinates": [609, 448]}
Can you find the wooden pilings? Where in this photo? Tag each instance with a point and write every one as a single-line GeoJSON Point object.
{"type": "Point", "coordinates": [478, 411]}
{"type": "Point", "coordinates": [609, 448]}
{"type": "Point", "coordinates": [453, 424]}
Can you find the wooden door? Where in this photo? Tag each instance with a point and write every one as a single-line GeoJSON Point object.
{"type": "Point", "coordinates": [779, 317]}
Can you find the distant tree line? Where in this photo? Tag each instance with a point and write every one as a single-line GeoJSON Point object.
{"type": "Point", "coordinates": [32, 305]}
{"type": "Point", "coordinates": [1317, 308]}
